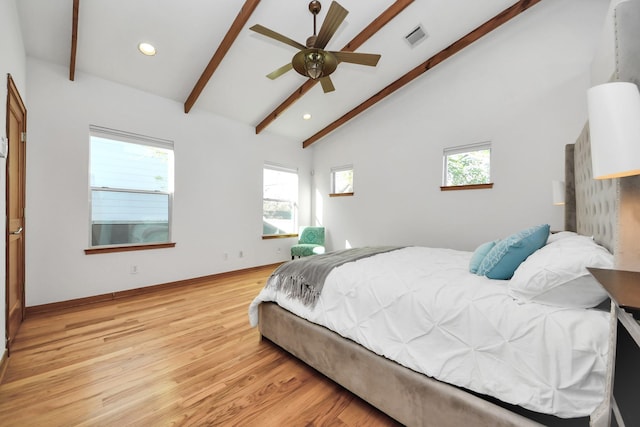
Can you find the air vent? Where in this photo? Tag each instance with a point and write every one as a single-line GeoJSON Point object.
{"type": "Point", "coordinates": [415, 36]}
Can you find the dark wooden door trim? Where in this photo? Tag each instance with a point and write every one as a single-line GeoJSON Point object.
{"type": "Point", "coordinates": [14, 95]}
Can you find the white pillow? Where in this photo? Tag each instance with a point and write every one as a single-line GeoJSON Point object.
{"type": "Point", "coordinates": [554, 237]}
{"type": "Point", "coordinates": [557, 275]}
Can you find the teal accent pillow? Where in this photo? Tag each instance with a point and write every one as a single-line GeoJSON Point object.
{"type": "Point", "coordinates": [479, 254]}
{"type": "Point", "coordinates": [503, 259]}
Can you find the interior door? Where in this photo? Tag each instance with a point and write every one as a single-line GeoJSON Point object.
{"type": "Point", "coordinates": [16, 132]}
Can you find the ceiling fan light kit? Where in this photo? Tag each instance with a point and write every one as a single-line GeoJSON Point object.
{"type": "Point", "coordinates": [312, 61]}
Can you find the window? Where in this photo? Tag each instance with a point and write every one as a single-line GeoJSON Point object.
{"type": "Point", "coordinates": [131, 188]}
{"type": "Point", "coordinates": [468, 166]}
{"type": "Point", "coordinates": [342, 180]}
{"type": "Point", "coordinates": [279, 200]}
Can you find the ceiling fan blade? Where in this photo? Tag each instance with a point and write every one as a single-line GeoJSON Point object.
{"type": "Point", "coordinates": [276, 36]}
{"type": "Point", "coordinates": [332, 21]}
{"type": "Point", "coordinates": [280, 71]}
{"type": "Point", "coordinates": [327, 84]}
{"type": "Point", "coordinates": [369, 59]}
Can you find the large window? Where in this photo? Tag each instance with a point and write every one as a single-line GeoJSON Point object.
{"type": "Point", "coordinates": [131, 188]}
{"type": "Point", "coordinates": [467, 165]}
{"type": "Point", "coordinates": [279, 200]}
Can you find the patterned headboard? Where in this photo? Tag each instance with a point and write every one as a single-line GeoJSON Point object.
{"type": "Point", "coordinates": [608, 209]}
{"type": "Point", "coordinates": [596, 201]}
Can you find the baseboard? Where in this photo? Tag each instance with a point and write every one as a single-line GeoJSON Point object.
{"type": "Point", "coordinates": [4, 363]}
{"type": "Point", "coordinates": [57, 306]}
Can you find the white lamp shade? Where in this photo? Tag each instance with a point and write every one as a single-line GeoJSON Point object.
{"type": "Point", "coordinates": [614, 124]}
{"type": "Point", "coordinates": [557, 188]}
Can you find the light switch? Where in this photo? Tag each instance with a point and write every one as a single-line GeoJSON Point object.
{"type": "Point", "coordinates": [4, 147]}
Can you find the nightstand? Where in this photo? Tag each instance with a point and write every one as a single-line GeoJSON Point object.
{"type": "Point", "coordinates": [623, 288]}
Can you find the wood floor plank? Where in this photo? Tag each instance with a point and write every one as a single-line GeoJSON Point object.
{"type": "Point", "coordinates": [176, 357]}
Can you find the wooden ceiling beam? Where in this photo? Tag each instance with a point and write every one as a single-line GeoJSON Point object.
{"type": "Point", "coordinates": [376, 25]}
{"type": "Point", "coordinates": [74, 40]}
{"type": "Point", "coordinates": [243, 16]}
{"type": "Point", "coordinates": [444, 54]}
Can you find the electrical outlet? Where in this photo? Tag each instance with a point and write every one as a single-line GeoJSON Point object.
{"type": "Point", "coordinates": [133, 269]}
{"type": "Point", "coordinates": [225, 256]}
{"type": "Point", "coordinates": [279, 250]}
{"type": "Point", "coordinates": [241, 254]}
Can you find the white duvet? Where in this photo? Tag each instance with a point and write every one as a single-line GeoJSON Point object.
{"type": "Point", "coordinates": [423, 309]}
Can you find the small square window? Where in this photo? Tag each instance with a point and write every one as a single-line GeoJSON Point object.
{"type": "Point", "coordinates": [342, 180]}
{"type": "Point", "coordinates": [467, 165]}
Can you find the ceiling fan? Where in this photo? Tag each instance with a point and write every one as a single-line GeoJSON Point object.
{"type": "Point", "coordinates": [312, 60]}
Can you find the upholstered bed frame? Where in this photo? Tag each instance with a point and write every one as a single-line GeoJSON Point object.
{"type": "Point", "coordinates": [607, 210]}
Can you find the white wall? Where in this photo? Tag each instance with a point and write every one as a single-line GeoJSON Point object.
{"type": "Point", "coordinates": [12, 61]}
{"type": "Point", "coordinates": [218, 188]}
{"type": "Point", "coordinates": [522, 87]}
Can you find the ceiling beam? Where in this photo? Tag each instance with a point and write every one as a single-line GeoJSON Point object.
{"type": "Point", "coordinates": [240, 21]}
{"type": "Point", "coordinates": [444, 54]}
{"type": "Point", "coordinates": [375, 26]}
{"type": "Point", "coordinates": [74, 40]}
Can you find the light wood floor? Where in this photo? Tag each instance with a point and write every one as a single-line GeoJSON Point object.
{"type": "Point", "coordinates": [175, 357]}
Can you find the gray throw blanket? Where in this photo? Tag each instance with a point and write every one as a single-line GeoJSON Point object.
{"type": "Point", "coordinates": [303, 279]}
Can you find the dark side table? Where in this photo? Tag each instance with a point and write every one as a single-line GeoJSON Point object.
{"type": "Point", "coordinates": [623, 288]}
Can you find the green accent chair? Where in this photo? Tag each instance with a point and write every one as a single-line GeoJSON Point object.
{"type": "Point", "coordinates": [310, 242]}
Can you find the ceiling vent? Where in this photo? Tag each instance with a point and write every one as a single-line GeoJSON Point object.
{"type": "Point", "coordinates": [415, 36]}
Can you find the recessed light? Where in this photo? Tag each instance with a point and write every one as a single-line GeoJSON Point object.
{"type": "Point", "coordinates": [147, 49]}
{"type": "Point", "coordinates": [306, 116]}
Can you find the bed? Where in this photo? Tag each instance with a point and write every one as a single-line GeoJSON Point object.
{"type": "Point", "coordinates": [443, 322]}
{"type": "Point", "coordinates": [529, 350]}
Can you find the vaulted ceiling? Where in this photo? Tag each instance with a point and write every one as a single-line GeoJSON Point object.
{"type": "Point", "coordinates": [209, 59]}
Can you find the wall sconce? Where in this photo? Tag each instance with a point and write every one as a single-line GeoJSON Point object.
{"type": "Point", "coordinates": [557, 190]}
{"type": "Point", "coordinates": [614, 123]}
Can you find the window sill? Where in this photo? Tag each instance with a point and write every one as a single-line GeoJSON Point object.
{"type": "Point", "coordinates": [144, 247]}
{"type": "Point", "coordinates": [340, 194]}
{"type": "Point", "coordinates": [466, 187]}
{"type": "Point", "coordinates": [278, 236]}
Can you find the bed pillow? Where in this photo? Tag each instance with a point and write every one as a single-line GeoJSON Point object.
{"type": "Point", "coordinates": [503, 259]}
{"type": "Point", "coordinates": [479, 254]}
{"type": "Point", "coordinates": [554, 237]}
{"type": "Point", "coordinates": [557, 274]}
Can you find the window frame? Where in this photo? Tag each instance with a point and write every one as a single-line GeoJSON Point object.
{"type": "Point", "coordinates": [460, 149]}
{"type": "Point", "coordinates": [337, 169]}
{"type": "Point", "coordinates": [146, 141]}
{"type": "Point", "coordinates": [294, 211]}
